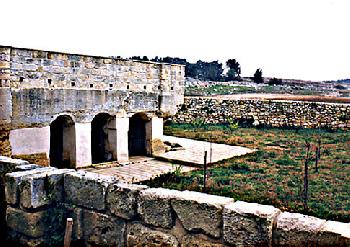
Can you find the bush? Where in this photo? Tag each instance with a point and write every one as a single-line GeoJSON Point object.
{"type": "Point", "coordinates": [275, 81]}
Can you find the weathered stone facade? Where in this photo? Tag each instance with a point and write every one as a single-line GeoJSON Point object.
{"type": "Point", "coordinates": [37, 87]}
{"type": "Point", "coordinates": [107, 212]}
{"type": "Point", "coordinates": [266, 113]}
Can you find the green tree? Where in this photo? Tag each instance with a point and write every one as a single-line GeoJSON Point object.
{"type": "Point", "coordinates": [258, 76]}
{"type": "Point", "coordinates": [234, 70]}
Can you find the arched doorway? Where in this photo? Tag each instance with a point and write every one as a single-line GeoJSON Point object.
{"type": "Point", "coordinates": [137, 135]}
{"type": "Point", "coordinates": [62, 142]}
{"type": "Point", "coordinates": [103, 138]}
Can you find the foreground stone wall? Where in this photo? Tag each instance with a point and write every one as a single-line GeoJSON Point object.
{"type": "Point", "coordinates": [266, 113]}
{"type": "Point", "coordinates": [107, 212]}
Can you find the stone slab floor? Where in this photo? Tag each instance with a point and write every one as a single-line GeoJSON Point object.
{"type": "Point", "coordinates": [142, 168]}
{"type": "Point", "coordinates": [193, 151]}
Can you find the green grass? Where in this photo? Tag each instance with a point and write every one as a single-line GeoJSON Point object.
{"type": "Point", "coordinates": [274, 174]}
{"type": "Point", "coordinates": [218, 89]}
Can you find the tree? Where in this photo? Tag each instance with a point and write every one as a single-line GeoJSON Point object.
{"type": "Point", "coordinates": [234, 70]}
{"type": "Point", "coordinates": [275, 81]}
{"type": "Point", "coordinates": [258, 76]}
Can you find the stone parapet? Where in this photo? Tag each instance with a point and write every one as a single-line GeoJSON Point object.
{"type": "Point", "coordinates": [107, 212]}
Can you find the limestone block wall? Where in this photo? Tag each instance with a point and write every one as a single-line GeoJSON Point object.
{"type": "Point", "coordinates": [107, 212]}
{"type": "Point", "coordinates": [36, 85]}
{"type": "Point", "coordinates": [266, 113]}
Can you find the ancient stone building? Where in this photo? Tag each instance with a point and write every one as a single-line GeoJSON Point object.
{"type": "Point", "coordinates": [77, 109]}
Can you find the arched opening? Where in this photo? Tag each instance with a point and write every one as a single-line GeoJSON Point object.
{"type": "Point", "coordinates": [103, 138]}
{"type": "Point", "coordinates": [62, 142]}
{"type": "Point", "coordinates": [137, 135]}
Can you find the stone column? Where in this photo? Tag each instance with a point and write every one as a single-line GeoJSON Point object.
{"type": "Point", "coordinates": [82, 144]}
{"type": "Point", "coordinates": [122, 129]}
{"type": "Point", "coordinates": [154, 130]}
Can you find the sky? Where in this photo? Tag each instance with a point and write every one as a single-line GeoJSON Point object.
{"type": "Point", "coordinates": [300, 39]}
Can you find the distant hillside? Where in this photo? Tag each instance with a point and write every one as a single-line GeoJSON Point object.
{"type": "Point", "coordinates": [339, 81]}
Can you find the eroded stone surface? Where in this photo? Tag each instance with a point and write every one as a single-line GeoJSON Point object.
{"type": "Point", "coordinates": [249, 224]}
{"type": "Point", "coordinates": [87, 189]}
{"type": "Point", "coordinates": [14, 238]}
{"type": "Point", "coordinates": [8, 165]}
{"type": "Point", "coordinates": [139, 235]}
{"type": "Point", "coordinates": [40, 189]}
{"type": "Point", "coordinates": [295, 229]}
{"type": "Point", "coordinates": [199, 241]}
{"type": "Point", "coordinates": [13, 180]}
{"type": "Point", "coordinates": [334, 233]}
{"type": "Point", "coordinates": [30, 224]}
{"type": "Point", "coordinates": [122, 199]}
{"type": "Point", "coordinates": [198, 211]}
{"type": "Point", "coordinates": [27, 167]}
{"type": "Point", "coordinates": [102, 230]}
{"type": "Point", "coordinates": [154, 206]}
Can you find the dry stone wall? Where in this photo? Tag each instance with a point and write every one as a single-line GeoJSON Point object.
{"type": "Point", "coordinates": [107, 212]}
{"type": "Point", "coordinates": [266, 113]}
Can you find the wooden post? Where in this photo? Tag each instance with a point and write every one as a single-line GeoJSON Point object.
{"type": "Point", "coordinates": [306, 176]}
{"type": "Point", "coordinates": [318, 153]}
{"type": "Point", "coordinates": [68, 233]}
{"type": "Point", "coordinates": [205, 170]}
{"type": "Point", "coordinates": [211, 152]}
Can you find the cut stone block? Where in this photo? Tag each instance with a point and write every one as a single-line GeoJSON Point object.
{"type": "Point", "coordinates": [27, 167]}
{"type": "Point", "coordinates": [200, 212]}
{"type": "Point", "coordinates": [102, 230]}
{"type": "Point", "coordinates": [87, 189]}
{"type": "Point", "coordinates": [199, 241]}
{"type": "Point", "coordinates": [334, 233]}
{"type": "Point", "coordinates": [154, 206]}
{"type": "Point", "coordinates": [122, 199]}
{"type": "Point", "coordinates": [294, 229]}
{"type": "Point", "coordinates": [30, 224]}
{"type": "Point", "coordinates": [9, 165]}
{"type": "Point", "coordinates": [139, 235]}
{"type": "Point", "coordinates": [40, 189]}
{"type": "Point", "coordinates": [16, 238]}
{"type": "Point", "coordinates": [13, 180]}
{"type": "Point", "coordinates": [249, 224]}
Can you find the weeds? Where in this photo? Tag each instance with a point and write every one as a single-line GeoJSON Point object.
{"type": "Point", "coordinates": [274, 174]}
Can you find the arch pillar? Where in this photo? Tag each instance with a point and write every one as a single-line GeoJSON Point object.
{"type": "Point", "coordinates": [154, 130]}
{"type": "Point", "coordinates": [122, 145]}
{"type": "Point", "coordinates": [83, 144]}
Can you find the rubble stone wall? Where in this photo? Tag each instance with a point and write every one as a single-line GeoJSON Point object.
{"type": "Point", "coordinates": [107, 212]}
{"type": "Point", "coordinates": [266, 113]}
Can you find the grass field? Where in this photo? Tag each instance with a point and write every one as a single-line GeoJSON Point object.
{"type": "Point", "coordinates": [274, 174]}
{"type": "Point", "coordinates": [281, 93]}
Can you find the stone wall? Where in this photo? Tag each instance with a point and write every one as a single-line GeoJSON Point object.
{"type": "Point", "coordinates": [36, 85]}
{"type": "Point", "coordinates": [266, 113]}
{"type": "Point", "coordinates": [107, 212]}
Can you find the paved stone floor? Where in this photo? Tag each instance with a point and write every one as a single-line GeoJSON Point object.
{"type": "Point", "coordinates": [139, 169]}
{"type": "Point", "coordinates": [193, 151]}
{"type": "Point", "coordinates": [144, 168]}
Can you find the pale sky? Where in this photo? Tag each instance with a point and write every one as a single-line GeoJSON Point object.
{"type": "Point", "coordinates": [302, 39]}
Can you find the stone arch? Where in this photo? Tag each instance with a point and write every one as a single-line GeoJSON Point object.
{"type": "Point", "coordinates": [137, 136]}
{"type": "Point", "coordinates": [103, 138]}
{"type": "Point", "coordinates": [62, 142]}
